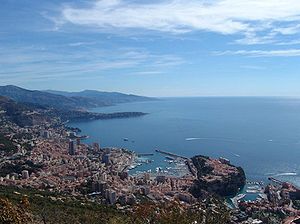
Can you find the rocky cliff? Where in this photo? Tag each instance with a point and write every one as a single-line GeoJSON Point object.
{"type": "Point", "coordinates": [217, 176]}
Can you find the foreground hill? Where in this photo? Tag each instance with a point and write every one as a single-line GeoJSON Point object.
{"type": "Point", "coordinates": [23, 205]}
{"type": "Point", "coordinates": [64, 100]}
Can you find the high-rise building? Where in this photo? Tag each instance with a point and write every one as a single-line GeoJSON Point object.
{"type": "Point", "coordinates": [72, 147]}
{"type": "Point", "coordinates": [111, 196]}
{"type": "Point", "coordinates": [106, 159]}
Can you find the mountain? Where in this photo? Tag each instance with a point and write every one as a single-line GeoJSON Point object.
{"type": "Point", "coordinates": [102, 97]}
{"type": "Point", "coordinates": [65, 100]}
{"type": "Point", "coordinates": [41, 98]}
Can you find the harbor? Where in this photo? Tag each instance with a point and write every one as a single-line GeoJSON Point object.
{"type": "Point", "coordinates": [160, 163]}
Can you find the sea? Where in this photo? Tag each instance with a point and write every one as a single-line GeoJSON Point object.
{"type": "Point", "coordinates": [260, 134]}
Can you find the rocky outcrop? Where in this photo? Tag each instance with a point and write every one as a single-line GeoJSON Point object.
{"type": "Point", "coordinates": [217, 176]}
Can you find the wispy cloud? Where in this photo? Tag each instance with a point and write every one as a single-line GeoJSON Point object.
{"type": "Point", "coordinates": [78, 44]}
{"type": "Point", "coordinates": [292, 42]}
{"type": "Point", "coordinates": [253, 67]}
{"type": "Point", "coordinates": [262, 53]}
{"type": "Point", "coordinates": [259, 21]}
{"type": "Point", "coordinates": [32, 63]}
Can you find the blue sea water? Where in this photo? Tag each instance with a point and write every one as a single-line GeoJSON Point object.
{"type": "Point", "coordinates": [260, 134]}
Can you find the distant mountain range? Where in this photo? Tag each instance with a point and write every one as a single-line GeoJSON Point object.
{"type": "Point", "coordinates": [68, 100]}
{"type": "Point", "coordinates": [102, 98]}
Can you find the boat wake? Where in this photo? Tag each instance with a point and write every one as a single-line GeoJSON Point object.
{"type": "Point", "coordinates": [237, 155]}
{"type": "Point", "coordinates": [212, 139]}
{"type": "Point", "coordinates": [285, 174]}
{"type": "Point", "coordinates": [192, 139]}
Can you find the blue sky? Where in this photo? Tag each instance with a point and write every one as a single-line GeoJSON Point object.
{"type": "Point", "coordinates": [155, 48]}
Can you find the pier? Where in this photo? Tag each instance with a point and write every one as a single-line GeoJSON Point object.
{"type": "Point", "coordinates": [275, 180]}
{"type": "Point", "coordinates": [144, 154]}
{"type": "Point", "coordinates": [170, 154]}
{"type": "Point", "coordinates": [192, 171]}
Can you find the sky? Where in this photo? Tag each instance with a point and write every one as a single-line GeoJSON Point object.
{"type": "Point", "coordinates": [153, 48]}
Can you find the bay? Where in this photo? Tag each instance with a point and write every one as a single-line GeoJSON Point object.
{"type": "Point", "coordinates": [261, 134]}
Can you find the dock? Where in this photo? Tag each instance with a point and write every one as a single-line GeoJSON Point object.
{"type": "Point", "coordinates": [171, 154]}
{"type": "Point", "coordinates": [275, 180]}
{"type": "Point", "coordinates": [144, 154]}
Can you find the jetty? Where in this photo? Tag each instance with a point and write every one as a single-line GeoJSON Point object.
{"type": "Point", "coordinates": [144, 154]}
{"type": "Point", "coordinates": [170, 154]}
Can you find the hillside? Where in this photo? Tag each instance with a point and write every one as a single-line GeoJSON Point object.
{"type": "Point", "coordinates": [40, 98]}
{"type": "Point", "coordinates": [21, 205]}
{"type": "Point", "coordinates": [65, 100]}
{"type": "Point", "coordinates": [100, 97]}
{"type": "Point", "coordinates": [19, 113]}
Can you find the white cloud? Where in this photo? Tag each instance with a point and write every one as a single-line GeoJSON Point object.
{"type": "Point", "coordinates": [289, 30]}
{"type": "Point", "coordinates": [247, 17]}
{"type": "Point", "coordinates": [263, 53]}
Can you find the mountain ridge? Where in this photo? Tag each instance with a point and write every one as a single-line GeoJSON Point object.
{"type": "Point", "coordinates": [112, 97]}
{"type": "Point", "coordinates": [68, 100]}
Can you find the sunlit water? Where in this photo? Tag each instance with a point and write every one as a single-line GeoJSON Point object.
{"type": "Point", "coordinates": [260, 134]}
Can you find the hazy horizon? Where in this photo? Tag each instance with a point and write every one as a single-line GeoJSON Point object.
{"type": "Point", "coordinates": [191, 96]}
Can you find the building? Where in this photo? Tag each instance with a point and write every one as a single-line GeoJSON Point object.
{"type": "Point", "coordinates": [45, 134]}
{"type": "Point", "coordinates": [25, 174]}
{"type": "Point", "coordinates": [72, 147]}
{"type": "Point", "coordinates": [185, 197]}
{"type": "Point", "coordinates": [145, 190]}
{"type": "Point", "coordinates": [96, 147]}
{"type": "Point", "coordinates": [111, 196]}
{"type": "Point", "coordinates": [224, 160]}
{"type": "Point", "coordinates": [103, 177]}
{"type": "Point", "coordinates": [131, 199]}
{"type": "Point", "coordinates": [106, 159]}
{"type": "Point", "coordinates": [147, 177]}
{"type": "Point", "coordinates": [161, 179]}
{"type": "Point", "coordinates": [123, 175]}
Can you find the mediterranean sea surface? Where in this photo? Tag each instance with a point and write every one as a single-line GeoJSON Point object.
{"type": "Point", "coordinates": [260, 134]}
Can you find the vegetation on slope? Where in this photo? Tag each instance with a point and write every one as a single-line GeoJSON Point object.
{"type": "Point", "coordinates": [32, 206]}
{"type": "Point", "coordinates": [6, 145]}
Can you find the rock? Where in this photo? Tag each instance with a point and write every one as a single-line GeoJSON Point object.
{"type": "Point", "coordinates": [217, 177]}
